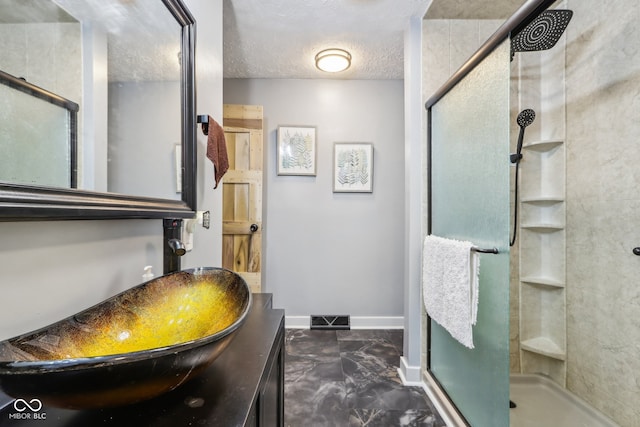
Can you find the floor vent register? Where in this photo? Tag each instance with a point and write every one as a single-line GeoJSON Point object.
{"type": "Point", "coordinates": [330, 322]}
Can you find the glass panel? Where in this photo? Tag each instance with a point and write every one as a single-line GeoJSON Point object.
{"type": "Point", "coordinates": [470, 201]}
{"type": "Point", "coordinates": [34, 140]}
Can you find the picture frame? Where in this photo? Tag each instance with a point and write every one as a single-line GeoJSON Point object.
{"type": "Point", "coordinates": [352, 167]}
{"type": "Point", "coordinates": [296, 150]}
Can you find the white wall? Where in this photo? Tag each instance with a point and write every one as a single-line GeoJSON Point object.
{"type": "Point", "coordinates": [52, 269]}
{"type": "Point", "coordinates": [325, 252]}
{"type": "Point", "coordinates": [414, 166]}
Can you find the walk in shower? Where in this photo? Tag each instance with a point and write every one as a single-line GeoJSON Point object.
{"type": "Point", "coordinates": [567, 333]}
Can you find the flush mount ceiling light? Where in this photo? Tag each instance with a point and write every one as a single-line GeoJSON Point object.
{"type": "Point", "coordinates": [333, 60]}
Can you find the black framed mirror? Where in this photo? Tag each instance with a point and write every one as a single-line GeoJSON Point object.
{"type": "Point", "coordinates": [133, 67]}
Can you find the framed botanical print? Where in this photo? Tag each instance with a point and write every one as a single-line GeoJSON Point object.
{"type": "Point", "coordinates": [296, 150]}
{"type": "Point", "coordinates": [352, 167]}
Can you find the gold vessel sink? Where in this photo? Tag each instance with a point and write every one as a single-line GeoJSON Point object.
{"type": "Point", "coordinates": [131, 347]}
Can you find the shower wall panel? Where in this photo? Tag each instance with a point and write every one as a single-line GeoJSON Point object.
{"type": "Point", "coordinates": [540, 264]}
{"type": "Point", "coordinates": [603, 201]}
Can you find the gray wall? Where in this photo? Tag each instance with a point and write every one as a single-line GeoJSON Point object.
{"type": "Point", "coordinates": [52, 269]}
{"type": "Point", "coordinates": [325, 252]}
{"type": "Point", "coordinates": [134, 168]}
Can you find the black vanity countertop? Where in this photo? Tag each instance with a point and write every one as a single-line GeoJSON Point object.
{"type": "Point", "coordinates": [221, 396]}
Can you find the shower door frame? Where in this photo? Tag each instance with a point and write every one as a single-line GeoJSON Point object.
{"type": "Point", "coordinates": [519, 20]}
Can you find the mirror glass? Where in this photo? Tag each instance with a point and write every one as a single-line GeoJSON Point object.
{"type": "Point", "coordinates": [36, 153]}
{"type": "Point", "coordinates": [120, 62]}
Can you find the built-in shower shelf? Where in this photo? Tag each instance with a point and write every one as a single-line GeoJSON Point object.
{"type": "Point", "coordinates": [542, 247]}
{"type": "Point", "coordinates": [544, 227]}
{"type": "Point", "coordinates": [542, 146]}
{"type": "Point", "coordinates": [543, 282]}
{"type": "Point", "coordinates": [544, 346]}
{"type": "Point", "coordinates": [543, 200]}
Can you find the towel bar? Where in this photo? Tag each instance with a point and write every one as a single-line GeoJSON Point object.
{"type": "Point", "coordinates": [485, 251]}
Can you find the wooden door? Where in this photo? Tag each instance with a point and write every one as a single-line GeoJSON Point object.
{"type": "Point", "coordinates": [242, 193]}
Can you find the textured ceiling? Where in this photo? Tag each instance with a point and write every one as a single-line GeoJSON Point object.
{"type": "Point", "coordinates": [265, 38]}
{"type": "Point", "coordinates": [140, 49]}
{"type": "Point", "coordinates": [280, 38]}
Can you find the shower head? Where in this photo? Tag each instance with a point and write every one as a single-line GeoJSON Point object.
{"type": "Point", "coordinates": [542, 33]}
{"type": "Point", "coordinates": [525, 118]}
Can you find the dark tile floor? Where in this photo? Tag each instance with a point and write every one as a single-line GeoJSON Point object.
{"type": "Point", "coordinates": [349, 378]}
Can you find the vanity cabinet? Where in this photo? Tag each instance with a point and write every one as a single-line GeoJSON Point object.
{"type": "Point", "coordinates": [268, 408]}
{"type": "Point", "coordinates": [243, 387]}
{"type": "Point", "coordinates": [254, 372]}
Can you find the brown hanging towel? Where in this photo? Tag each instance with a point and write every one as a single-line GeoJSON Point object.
{"type": "Point", "coordinates": [216, 149]}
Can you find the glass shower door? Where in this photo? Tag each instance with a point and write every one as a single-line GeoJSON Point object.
{"type": "Point", "coordinates": [470, 201]}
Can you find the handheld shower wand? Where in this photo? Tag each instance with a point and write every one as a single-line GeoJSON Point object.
{"type": "Point", "coordinates": [525, 118]}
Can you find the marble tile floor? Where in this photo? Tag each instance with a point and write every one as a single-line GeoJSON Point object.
{"type": "Point", "coordinates": [349, 378]}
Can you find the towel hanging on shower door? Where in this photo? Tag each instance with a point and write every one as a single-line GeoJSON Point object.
{"type": "Point", "coordinates": [450, 285]}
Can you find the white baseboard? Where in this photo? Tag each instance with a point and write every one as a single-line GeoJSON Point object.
{"type": "Point", "coordinates": [377, 322]}
{"type": "Point", "coordinates": [357, 322]}
{"type": "Point", "coordinates": [410, 375]}
{"type": "Point", "coordinates": [297, 322]}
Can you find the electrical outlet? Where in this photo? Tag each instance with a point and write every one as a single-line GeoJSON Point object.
{"type": "Point", "coordinates": [206, 219]}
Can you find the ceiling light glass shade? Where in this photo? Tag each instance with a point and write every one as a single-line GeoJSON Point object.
{"type": "Point", "coordinates": [333, 60]}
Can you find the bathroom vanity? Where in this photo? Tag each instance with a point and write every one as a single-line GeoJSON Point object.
{"type": "Point", "coordinates": [243, 387]}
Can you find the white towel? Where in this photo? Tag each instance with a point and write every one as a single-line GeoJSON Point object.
{"type": "Point", "coordinates": [450, 285]}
